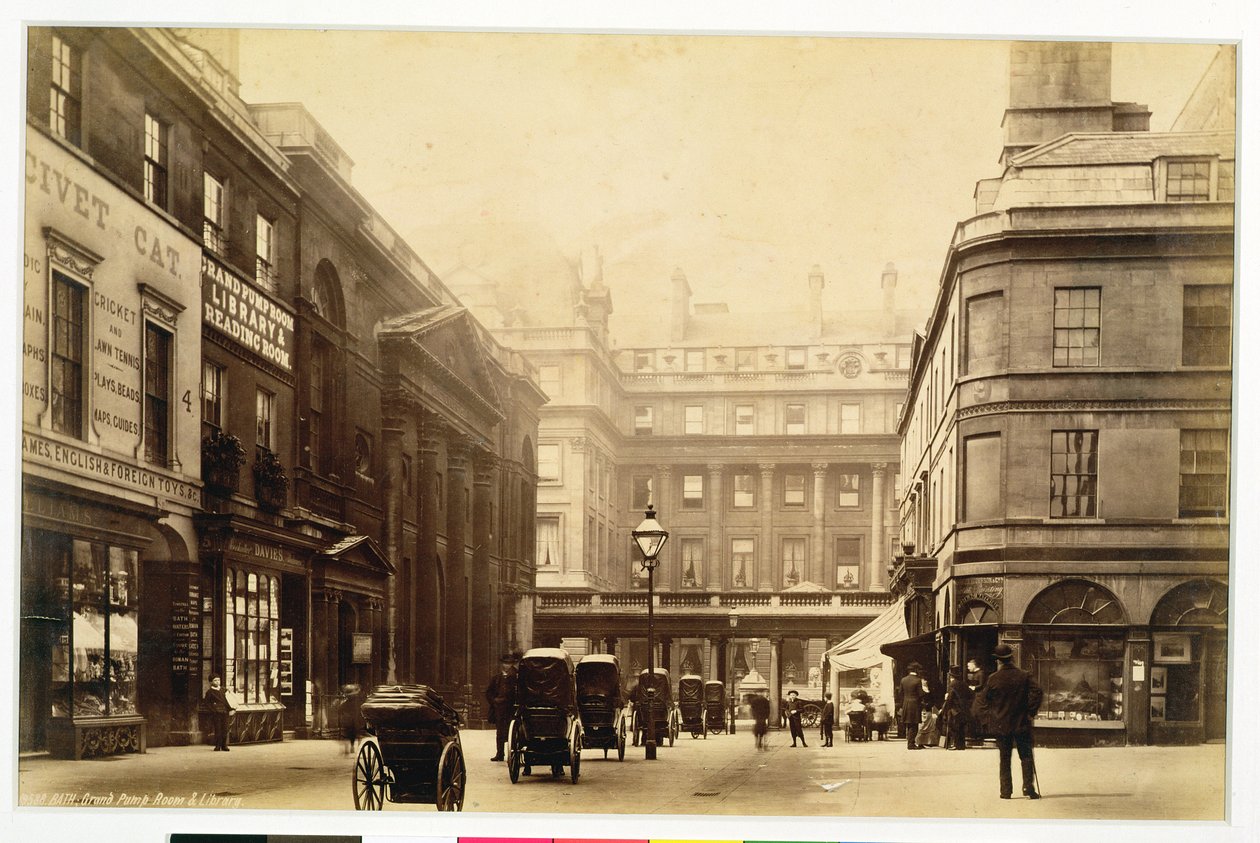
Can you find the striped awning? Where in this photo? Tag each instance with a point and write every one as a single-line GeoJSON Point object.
{"type": "Point", "coordinates": [861, 649]}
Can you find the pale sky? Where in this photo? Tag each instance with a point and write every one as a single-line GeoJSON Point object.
{"type": "Point", "coordinates": [742, 160]}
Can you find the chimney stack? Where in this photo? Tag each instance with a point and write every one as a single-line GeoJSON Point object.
{"type": "Point", "coordinates": [816, 284]}
{"type": "Point", "coordinates": [888, 283]}
{"type": "Point", "coordinates": [1062, 87]}
{"type": "Point", "coordinates": [681, 298]}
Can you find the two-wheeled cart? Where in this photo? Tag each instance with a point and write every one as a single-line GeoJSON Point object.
{"type": "Point", "coordinates": [600, 704]}
{"type": "Point", "coordinates": [412, 751]}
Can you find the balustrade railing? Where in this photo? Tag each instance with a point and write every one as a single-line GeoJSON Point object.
{"type": "Point", "coordinates": [719, 599]}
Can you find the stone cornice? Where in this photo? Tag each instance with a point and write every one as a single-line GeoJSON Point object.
{"type": "Point", "coordinates": [1094, 406]}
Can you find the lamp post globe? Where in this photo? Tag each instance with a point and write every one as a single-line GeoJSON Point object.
{"type": "Point", "coordinates": [650, 538]}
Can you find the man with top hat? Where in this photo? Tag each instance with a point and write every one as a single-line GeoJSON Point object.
{"type": "Point", "coordinates": [1007, 703]}
{"type": "Point", "coordinates": [912, 693]}
{"type": "Point", "coordinates": [500, 699]}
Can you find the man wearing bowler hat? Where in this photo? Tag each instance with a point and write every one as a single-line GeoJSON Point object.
{"type": "Point", "coordinates": [912, 703]}
{"type": "Point", "coordinates": [1008, 702]}
{"type": "Point", "coordinates": [500, 699]}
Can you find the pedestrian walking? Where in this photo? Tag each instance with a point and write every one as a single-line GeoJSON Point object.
{"type": "Point", "coordinates": [881, 719]}
{"type": "Point", "coordinates": [912, 694]}
{"type": "Point", "coordinates": [217, 705]}
{"type": "Point", "coordinates": [828, 723]}
{"type": "Point", "coordinates": [794, 708]}
{"type": "Point", "coordinates": [760, 707]}
{"type": "Point", "coordinates": [956, 708]}
{"type": "Point", "coordinates": [976, 677]}
{"type": "Point", "coordinates": [500, 700]}
{"type": "Point", "coordinates": [1006, 705]}
{"type": "Point", "coordinates": [348, 715]}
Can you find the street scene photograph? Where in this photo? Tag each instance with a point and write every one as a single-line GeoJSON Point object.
{"type": "Point", "coordinates": [637, 424]}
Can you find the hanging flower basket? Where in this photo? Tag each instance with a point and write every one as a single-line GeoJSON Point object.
{"type": "Point", "coordinates": [222, 456]}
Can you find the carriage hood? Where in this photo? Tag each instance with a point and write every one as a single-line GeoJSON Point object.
{"type": "Point", "coordinates": [545, 676]}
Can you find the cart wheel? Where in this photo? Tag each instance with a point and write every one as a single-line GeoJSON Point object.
{"type": "Point", "coordinates": [369, 778]}
{"type": "Point", "coordinates": [451, 778]}
{"type": "Point", "coordinates": [673, 728]}
{"type": "Point", "coordinates": [621, 741]}
{"type": "Point", "coordinates": [575, 756]}
{"type": "Point", "coordinates": [811, 715]}
{"type": "Point", "coordinates": [515, 753]}
{"type": "Point", "coordinates": [634, 727]}
{"type": "Point", "coordinates": [704, 725]}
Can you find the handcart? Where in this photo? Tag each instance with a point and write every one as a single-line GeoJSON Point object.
{"type": "Point", "coordinates": [715, 707]}
{"type": "Point", "coordinates": [412, 751]}
{"type": "Point", "coordinates": [547, 728]}
{"type": "Point", "coordinates": [653, 698]}
{"type": "Point", "coordinates": [600, 704]}
{"type": "Point", "coordinates": [691, 705]}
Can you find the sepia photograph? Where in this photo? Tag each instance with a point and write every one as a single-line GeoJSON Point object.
{"type": "Point", "coordinates": [419, 420]}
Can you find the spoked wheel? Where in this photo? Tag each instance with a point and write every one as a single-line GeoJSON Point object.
{"type": "Point", "coordinates": [370, 780]}
{"type": "Point", "coordinates": [811, 715]}
{"type": "Point", "coordinates": [514, 752]}
{"type": "Point", "coordinates": [634, 727]}
{"type": "Point", "coordinates": [575, 756]}
{"type": "Point", "coordinates": [452, 776]}
{"type": "Point", "coordinates": [621, 741]}
{"type": "Point", "coordinates": [704, 725]}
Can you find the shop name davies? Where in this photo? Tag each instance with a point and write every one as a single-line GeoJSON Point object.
{"type": "Point", "coordinates": [245, 314]}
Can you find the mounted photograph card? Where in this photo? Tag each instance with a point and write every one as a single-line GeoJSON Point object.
{"type": "Point", "coordinates": [351, 357]}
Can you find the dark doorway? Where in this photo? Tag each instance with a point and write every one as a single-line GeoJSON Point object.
{"type": "Point", "coordinates": [1214, 683]}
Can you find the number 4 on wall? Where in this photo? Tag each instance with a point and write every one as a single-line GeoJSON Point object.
{"type": "Point", "coordinates": [188, 400]}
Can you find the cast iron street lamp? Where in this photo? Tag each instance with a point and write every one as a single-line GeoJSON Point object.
{"type": "Point", "coordinates": [650, 538]}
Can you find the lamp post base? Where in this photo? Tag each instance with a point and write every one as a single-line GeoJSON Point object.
{"type": "Point", "coordinates": [649, 750]}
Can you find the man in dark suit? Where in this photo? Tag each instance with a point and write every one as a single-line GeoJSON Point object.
{"type": "Point", "coordinates": [216, 703]}
{"type": "Point", "coordinates": [912, 703]}
{"type": "Point", "coordinates": [794, 709]}
{"type": "Point", "coordinates": [1007, 704]}
{"type": "Point", "coordinates": [500, 700]}
{"type": "Point", "coordinates": [828, 724]}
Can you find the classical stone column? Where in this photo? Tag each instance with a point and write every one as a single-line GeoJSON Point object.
{"type": "Point", "coordinates": [427, 598]}
{"type": "Point", "coordinates": [713, 658]}
{"type": "Point", "coordinates": [877, 578]}
{"type": "Point", "coordinates": [667, 649]}
{"type": "Point", "coordinates": [391, 446]}
{"type": "Point", "coordinates": [482, 638]}
{"type": "Point", "coordinates": [817, 574]}
{"type": "Point", "coordinates": [712, 576]}
{"type": "Point", "coordinates": [662, 497]}
{"type": "Point", "coordinates": [833, 674]}
{"type": "Point", "coordinates": [767, 576]}
{"type": "Point", "coordinates": [456, 654]}
{"type": "Point", "coordinates": [776, 685]}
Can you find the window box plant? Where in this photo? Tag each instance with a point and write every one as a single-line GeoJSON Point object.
{"type": "Point", "coordinates": [222, 456]}
{"type": "Point", "coordinates": [271, 483]}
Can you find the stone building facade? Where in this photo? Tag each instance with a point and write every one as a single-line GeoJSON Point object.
{"type": "Point", "coordinates": [766, 443]}
{"type": "Point", "coordinates": [1066, 438]}
{"type": "Point", "coordinates": [258, 431]}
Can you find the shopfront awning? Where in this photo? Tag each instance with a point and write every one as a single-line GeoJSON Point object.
{"type": "Point", "coordinates": [920, 648]}
{"type": "Point", "coordinates": [862, 648]}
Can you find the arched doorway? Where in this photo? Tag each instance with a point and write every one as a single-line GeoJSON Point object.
{"type": "Point", "coordinates": [1188, 663]}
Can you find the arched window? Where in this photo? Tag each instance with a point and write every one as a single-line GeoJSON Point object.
{"type": "Point", "coordinates": [1079, 659]}
{"type": "Point", "coordinates": [976, 612]}
{"type": "Point", "coordinates": [1075, 602]}
{"type": "Point", "coordinates": [1197, 603]}
{"type": "Point", "coordinates": [326, 298]}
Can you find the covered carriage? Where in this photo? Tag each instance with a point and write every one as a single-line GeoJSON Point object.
{"type": "Point", "coordinates": [691, 705]}
{"type": "Point", "coordinates": [546, 728]}
{"type": "Point", "coordinates": [600, 704]}
{"type": "Point", "coordinates": [715, 707]}
{"type": "Point", "coordinates": [412, 751]}
{"type": "Point", "coordinates": [654, 698]}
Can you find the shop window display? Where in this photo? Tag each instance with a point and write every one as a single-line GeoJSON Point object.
{"type": "Point", "coordinates": [93, 664]}
{"type": "Point", "coordinates": [252, 645]}
{"type": "Point", "coordinates": [1082, 675]}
